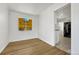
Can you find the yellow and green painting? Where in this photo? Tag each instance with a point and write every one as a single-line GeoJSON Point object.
{"type": "Point", "coordinates": [25, 24]}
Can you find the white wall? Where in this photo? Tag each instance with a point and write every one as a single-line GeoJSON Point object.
{"type": "Point", "coordinates": [15, 34]}
{"type": "Point", "coordinates": [75, 28]}
{"type": "Point", "coordinates": [46, 27]}
{"type": "Point", "coordinates": [3, 26]}
{"type": "Point", "coordinates": [46, 24]}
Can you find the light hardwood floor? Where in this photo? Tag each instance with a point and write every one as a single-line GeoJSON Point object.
{"type": "Point", "coordinates": [31, 47]}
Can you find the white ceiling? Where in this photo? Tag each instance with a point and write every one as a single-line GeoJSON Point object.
{"type": "Point", "coordinates": [31, 8]}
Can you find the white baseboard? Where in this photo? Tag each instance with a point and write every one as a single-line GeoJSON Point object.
{"type": "Point", "coordinates": [4, 47]}
{"type": "Point", "coordinates": [22, 39]}
{"type": "Point", "coordinates": [47, 42]}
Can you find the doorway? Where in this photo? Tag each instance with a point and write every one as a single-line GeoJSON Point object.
{"type": "Point", "coordinates": [63, 28]}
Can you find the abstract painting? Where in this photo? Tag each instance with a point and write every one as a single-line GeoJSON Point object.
{"type": "Point", "coordinates": [24, 24]}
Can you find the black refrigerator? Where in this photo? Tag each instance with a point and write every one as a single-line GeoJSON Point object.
{"type": "Point", "coordinates": [67, 29]}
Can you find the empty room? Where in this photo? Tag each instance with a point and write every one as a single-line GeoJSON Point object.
{"type": "Point", "coordinates": [39, 28]}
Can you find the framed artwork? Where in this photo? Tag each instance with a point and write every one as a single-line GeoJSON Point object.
{"type": "Point", "coordinates": [24, 24]}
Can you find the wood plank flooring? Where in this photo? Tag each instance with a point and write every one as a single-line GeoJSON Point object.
{"type": "Point", "coordinates": [31, 47]}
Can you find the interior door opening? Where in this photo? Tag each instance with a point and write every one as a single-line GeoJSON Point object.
{"type": "Point", "coordinates": [63, 28]}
